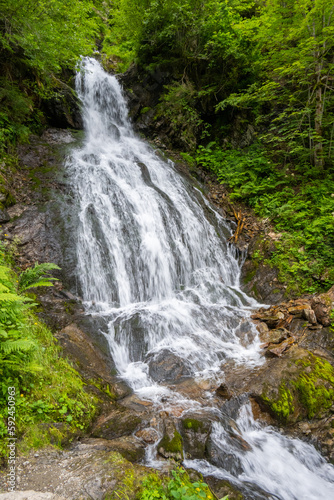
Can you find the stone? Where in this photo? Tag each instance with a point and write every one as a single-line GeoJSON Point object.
{"type": "Point", "coordinates": [120, 422]}
{"type": "Point", "coordinates": [148, 435]}
{"type": "Point", "coordinates": [322, 306]}
{"type": "Point", "coordinates": [87, 470]}
{"type": "Point", "coordinates": [30, 495]}
{"type": "Point", "coordinates": [223, 392]}
{"type": "Point", "coordinates": [274, 336]}
{"type": "Point", "coordinates": [195, 432]}
{"type": "Point", "coordinates": [129, 447]}
{"type": "Point", "coordinates": [262, 328]}
{"type": "Point", "coordinates": [4, 216]}
{"type": "Point", "coordinates": [298, 310]}
{"type": "Point", "coordinates": [166, 366]}
{"type": "Point", "coordinates": [171, 445]}
{"type": "Point", "coordinates": [310, 316]}
{"type": "Point", "coordinates": [279, 349]}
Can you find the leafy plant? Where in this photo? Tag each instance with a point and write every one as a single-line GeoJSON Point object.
{"type": "Point", "coordinates": [39, 275]}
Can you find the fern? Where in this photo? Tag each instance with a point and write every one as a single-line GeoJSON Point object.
{"type": "Point", "coordinates": [39, 275]}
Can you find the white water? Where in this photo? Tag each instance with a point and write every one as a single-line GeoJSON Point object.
{"type": "Point", "coordinates": [153, 259]}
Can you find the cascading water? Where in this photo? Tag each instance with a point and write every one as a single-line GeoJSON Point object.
{"type": "Point", "coordinates": [154, 261]}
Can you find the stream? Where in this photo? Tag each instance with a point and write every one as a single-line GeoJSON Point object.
{"type": "Point", "coordinates": [153, 260]}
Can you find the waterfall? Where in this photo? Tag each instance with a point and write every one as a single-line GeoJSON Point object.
{"type": "Point", "coordinates": [154, 261]}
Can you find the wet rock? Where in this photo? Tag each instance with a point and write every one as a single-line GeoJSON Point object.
{"type": "Point", "coordinates": [165, 366]}
{"type": "Point", "coordinates": [33, 233]}
{"type": "Point", "coordinates": [171, 445]}
{"type": "Point", "coordinates": [223, 392]}
{"type": "Point", "coordinates": [195, 430]}
{"type": "Point", "coordinates": [120, 422]}
{"type": "Point", "coordinates": [262, 328]}
{"type": "Point", "coordinates": [64, 110]}
{"type": "Point", "coordinates": [271, 319]}
{"type": "Point", "coordinates": [148, 435]}
{"type": "Point", "coordinates": [322, 306]}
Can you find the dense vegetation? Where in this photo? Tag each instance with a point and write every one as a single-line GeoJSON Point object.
{"type": "Point", "coordinates": [45, 388]}
{"type": "Point", "coordinates": [251, 98]}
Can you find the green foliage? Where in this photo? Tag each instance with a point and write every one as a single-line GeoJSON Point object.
{"type": "Point", "coordinates": [179, 487]}
{"type": "Point", "coordinates": [47, 389]}
{"type": "Point", "coordinates": [298, 201]}
{"type": "Point", "coordinates": [37, 43]}
{"type": "Point", "coordinates": [178, 105]}
{"type": "Point", "coordinates": [39, 275]}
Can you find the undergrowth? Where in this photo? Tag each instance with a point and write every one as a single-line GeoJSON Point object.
{"type": "Point", "coordinates": [298, 200]}
{"type": "Point", "coordinates": [179, 487]}
{"type": "Point", "coordinates": [47, 389]}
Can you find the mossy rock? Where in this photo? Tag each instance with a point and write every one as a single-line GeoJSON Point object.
{"type": "Point", "coordinates": [305, 391]}
{"type": "Point", "coordinates": [171, 447]}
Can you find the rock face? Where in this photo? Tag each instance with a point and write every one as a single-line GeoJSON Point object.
{"type": "Point", "coordinates": [89, 470]}
{"type": "Point", "coordinates": [120, 422]}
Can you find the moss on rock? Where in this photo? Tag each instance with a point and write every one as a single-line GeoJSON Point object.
{"type": "Point", "coordinates": [171, 447]}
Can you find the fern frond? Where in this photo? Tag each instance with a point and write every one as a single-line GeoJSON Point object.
{"type": "Point", "coordinates": [11, 297]}
{"type": "Point", "coordinates": [38, 275]}
{"type": "Point", "coordinates": [11, 346]}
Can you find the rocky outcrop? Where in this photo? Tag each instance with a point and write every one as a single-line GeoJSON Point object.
{"type": "Point", "coordinates": [88, 470]}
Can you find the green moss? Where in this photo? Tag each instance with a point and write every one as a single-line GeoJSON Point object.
{"type": "Point", "coordinates": [250, 275]}
{"type": "Point", "coordinates": [310, 392]}
{"type": "Point", "coordinates": [102, 386]}
{"type": "Point", "coordinates": [283, 406]}
{"type": "Point", "coordinates": [174, 445]}
{"type": "Point", "coordinates": [314, 395]}
{"type": "Point", "coordinates": [144, 110]}
{"type": "Point", "coordinates": [193, 424]}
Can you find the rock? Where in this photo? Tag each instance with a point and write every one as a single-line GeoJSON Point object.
{"type": "Point", "coordinates": [274, 336]}
{"type": "Point", "coordinates": [30, 495]}
{"type": "Point", "coordinates": [120, 422]}
{"type": "Point", "coordinates": [148, 435]}
{"type": "Point", "coordinates": [165, 366]}
{"type": "Point", "coordinates": [322, 306]}
{"type": "Point", "coordinates": [88, 470]}
{"type": "Point", "coordinates": [310, 316]}
{"type": "Point", "coordinates": [299, 310]}
{"type": "Point", "coordinates": [271, 319]}
{"type": "Point", "coordinates": [195, 430]}
{"type": "Point", "coordinates": [64, 109]}
{"type": "Point", "coordinates": [279, 349]}
{"type": "Point", "coordinates": [171, 445]}
{"type": "Point", "coordinates": [129, 447]}
{"type": "Point", "coordinates": [262, 328]}
{"type": "Point", "coordinates": [223, 392]}
{"type": "Point", "coordinates": [4, 216]}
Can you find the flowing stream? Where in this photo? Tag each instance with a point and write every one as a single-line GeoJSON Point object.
{"type": "Point", "coordinates": [154, 261]}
